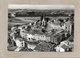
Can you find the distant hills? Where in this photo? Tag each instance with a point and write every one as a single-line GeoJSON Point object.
{"type": "Point", "coordinates": [33, 12]}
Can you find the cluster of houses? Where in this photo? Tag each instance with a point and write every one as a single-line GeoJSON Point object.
{"type": "Point", "coordinates": [45, 26]}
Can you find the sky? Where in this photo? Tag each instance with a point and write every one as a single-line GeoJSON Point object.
{"type": "Point", "coordinates": [27, 6]}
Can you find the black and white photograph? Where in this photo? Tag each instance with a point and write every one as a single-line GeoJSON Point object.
{"type": "Point", "coordinates": [40, 28]}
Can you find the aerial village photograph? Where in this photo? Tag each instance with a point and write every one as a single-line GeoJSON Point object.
{"type": "Point", "coordinates": [40, 28]}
